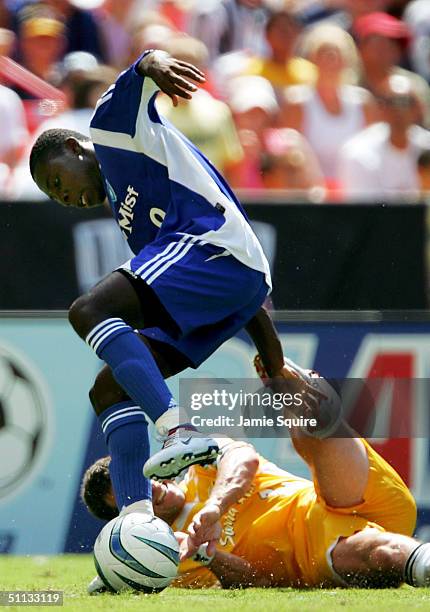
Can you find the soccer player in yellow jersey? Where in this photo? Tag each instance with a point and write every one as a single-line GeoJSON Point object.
{"type": "Point", "coordinates": [262, 526]}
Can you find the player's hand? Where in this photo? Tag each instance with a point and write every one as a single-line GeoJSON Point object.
{"type": "Point", "coordinates": [205, 527]}
{"type": "Point", "coordinates": [171, 75]}
{"type": "Point", "coordinates": [287, 380]}
{"type": "Point", "coordinates": [182, 538]}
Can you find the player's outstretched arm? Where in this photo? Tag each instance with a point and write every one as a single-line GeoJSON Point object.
{"type": "Point", "coordinates": [171, 75]}
{"type": "Point", "coordinates": [266, 340]}
{"type": "Point", "coordinates": [236, 470]}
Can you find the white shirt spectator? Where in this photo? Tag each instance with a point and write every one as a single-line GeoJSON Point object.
{"type": "Point", "coordinates": [417, 16]}
{"type": "Point", "coordinates": [371, 167]}
{"type": "Point", "coordinates": [13, 123]}
{"type": "Point", "coordinates": [327, 132]}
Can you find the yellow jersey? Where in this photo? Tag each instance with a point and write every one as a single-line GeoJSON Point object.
{"type": "Point", "coordinates": [284, 528]}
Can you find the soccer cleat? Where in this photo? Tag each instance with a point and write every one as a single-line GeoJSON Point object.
{"type": "Point", "coordinates": [325, 405]}
{"type": "Point", "coordinates": [181, 449]}
{"type": "Point", "coordinates": [96, 586]}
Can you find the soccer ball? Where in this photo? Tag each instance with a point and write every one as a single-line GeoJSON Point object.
{"type": "Point", "coordinates": [23, 421]}
{"type": "Point", "coordinates": [136, 551]}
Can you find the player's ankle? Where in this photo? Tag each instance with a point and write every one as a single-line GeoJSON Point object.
{"type": "Point", "coordinates": [174, 418]}
{"type": "Point", "coordinates": [183, 427]}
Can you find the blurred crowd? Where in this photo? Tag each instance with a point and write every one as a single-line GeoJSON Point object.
{"type": "Point", "coordinates": [328, 99]}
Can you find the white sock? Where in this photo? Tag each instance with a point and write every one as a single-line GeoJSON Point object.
{"type": "Point", "coordinates": [417, 568]}
{"type": "Point", "coordinates": [144, 506]}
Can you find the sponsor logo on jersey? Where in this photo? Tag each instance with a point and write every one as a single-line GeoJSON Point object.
{"type": "Point", "coordinates": [126, 211]}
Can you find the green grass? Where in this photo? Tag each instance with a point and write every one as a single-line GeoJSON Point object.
{"type": "Point", "coordinates": [71, 573]}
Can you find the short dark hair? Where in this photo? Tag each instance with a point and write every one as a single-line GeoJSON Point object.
{"type": "Point", "coordinates": [96, 484]}
{"type": "Point", "coordinates": [51, 143]}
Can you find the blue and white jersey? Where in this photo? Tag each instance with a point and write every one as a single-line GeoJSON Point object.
{"type": "Point", "coordinates": [158, 182]}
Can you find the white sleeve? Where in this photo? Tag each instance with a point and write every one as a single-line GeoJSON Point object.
{"type": "Point", "coordinates": [358, 181]}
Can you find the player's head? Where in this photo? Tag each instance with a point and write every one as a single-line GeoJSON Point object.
{"type": "Point", "coordinates": [398, 102]}
{"type": "Point", "coordinates": [96, 492]}
{"type": "Point", "coordinates": [64, 166]}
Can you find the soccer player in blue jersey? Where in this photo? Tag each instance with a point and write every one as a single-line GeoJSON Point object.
{"type": "Point", "coordinates": [197, 277]}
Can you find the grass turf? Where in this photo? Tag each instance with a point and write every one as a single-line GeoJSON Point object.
{"type": "Point", "coordinates": [71, 573]}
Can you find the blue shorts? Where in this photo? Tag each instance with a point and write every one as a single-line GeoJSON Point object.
{"type": "Point", "coordinates": [208, 293]}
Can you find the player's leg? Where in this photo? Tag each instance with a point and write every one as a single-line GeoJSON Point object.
{"type": "Point", "coordinates": [128, 482]}
{"type": "Point", "coordinates": [106, 391]}
{"type": "Point", "coordinates": [332, 459]}
{"type": "Point", "coordinates": [210, 296]}
{"type": "Point", "coordinates": [340, 466]}
{"type": "Point", "coordinates": [371, 558]}
{"type": "Point", "coordinates": [107, 317]}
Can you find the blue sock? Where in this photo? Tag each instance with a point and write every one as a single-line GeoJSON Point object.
{"type": "Point", "coordinates": [126, 433]}
{"type": "Point", "coordinates": [133, 366]}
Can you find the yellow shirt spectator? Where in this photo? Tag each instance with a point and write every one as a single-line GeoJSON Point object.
{"type": "Point", "coordinates": [296, 71]}
{"type": "Point", "coordinates": [208, 123]}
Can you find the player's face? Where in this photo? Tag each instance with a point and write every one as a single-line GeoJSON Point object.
{"type": "Point", "coordinates": [167, 499]}
{"type": "Point", "coordinates": [72, 179]}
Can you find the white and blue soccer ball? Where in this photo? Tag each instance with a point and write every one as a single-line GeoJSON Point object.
{"type": "Point", "coordinates": [138, 552]}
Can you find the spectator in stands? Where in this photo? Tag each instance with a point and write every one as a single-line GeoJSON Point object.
{"type": "Point", "coordinates": [82, 31]}
{"type": "Point", "coordinates": [282, 67]}
{"type": "Point", "coordinates": [84, 88]}
{"type": "Point", "coordinates": [381, 161]}
{"type": "Point", "coordinates": [230, 25]}
{"type": "Point", "coordinates": [331, 112]}
{"type": "Point", "coordinates": [13, 126]}
{"type": "Point", "coordinates": [84, 91]}
{"type": "Point", "coordinates": [176, 11]}
{"type": "Point", "coordinates": [359, 8]}
{"type": "Point", "coordinates": [41, 45]}
{"type": "Point", "coordinates": [255, 109]}
{"type": "Point", "coordinates": [417, 16]}
{"type": "Point", "coordinates": [382, 39]}
{"type": "Point", "coordinates": [151, 36]}
{"type": "Point", "coordinates": [5, 16]}
{"type": "Point", "coordinates": [290, 163]}
{"type": "Point", "coordinates": [341, 12]}
{"type": "Point", "coordinates": [206, 121]}
{"type": "Point", "coordinates": [7, 42]}
{"type": "Point", "coordinates": [72, 69]}
{"type": "Point", "coordinates": [115, 21]}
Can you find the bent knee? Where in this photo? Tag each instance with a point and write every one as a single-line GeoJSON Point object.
{"type": "Point", "coordinates": [106, 391]}
{"type": "Point", "coordinates": [82, 315]}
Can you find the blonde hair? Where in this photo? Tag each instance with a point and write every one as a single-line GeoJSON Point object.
{"type": "Point", "coordinates": [331, 35]}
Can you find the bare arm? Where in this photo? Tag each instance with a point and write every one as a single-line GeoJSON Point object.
{"type": "Point", "coordinates": [266, 340]}
{"type": "Point", "coordinates": [233, 572]}
{"type": "Point", "coordinates": [236, 470]}
{"type": "Point", "coordinates": [171, 75]}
